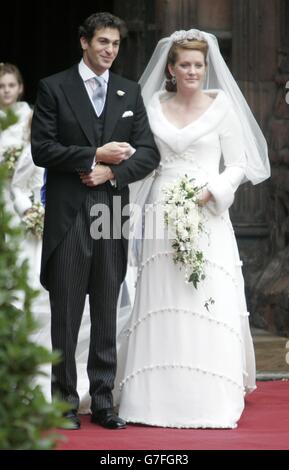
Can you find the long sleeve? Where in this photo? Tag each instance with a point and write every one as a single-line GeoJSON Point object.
{"type": "Point", "coordinates": [223, 186]}
{"type": "Point", "coordinates": [26, 182]}
{"type": "Point", "coordinates": [22, 201]}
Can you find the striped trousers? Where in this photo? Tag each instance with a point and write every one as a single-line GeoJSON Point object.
{"type": "Point", "coordinates": [82, 265]}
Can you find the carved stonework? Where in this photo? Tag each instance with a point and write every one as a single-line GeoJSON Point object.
{"type": "Point", "coordinates": [173, 15]}
{"type": "Point", "coordinates": [140, 17]}
{"type": "Point", "coordinates": [270, 299]}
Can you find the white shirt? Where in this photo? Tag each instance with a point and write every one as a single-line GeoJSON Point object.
{"type": "Point", "coordinates": [87, 76]}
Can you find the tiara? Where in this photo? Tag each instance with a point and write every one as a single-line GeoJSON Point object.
{"type": "Point", "coordinates": [182, 35]}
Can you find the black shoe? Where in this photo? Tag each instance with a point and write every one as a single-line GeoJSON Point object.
{"type": "Point", "coordinates": [108, 419]}
{"type": "Point", "coordinates": [74, 420]}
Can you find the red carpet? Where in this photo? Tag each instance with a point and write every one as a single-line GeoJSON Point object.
{"type": "Point", "coordinates": [264, 425]}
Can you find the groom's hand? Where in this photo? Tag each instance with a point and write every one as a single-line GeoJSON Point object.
{"type": "Point", "coordinates": [113, 153]}
{"type": "Point", "coordinates": [99, 175]}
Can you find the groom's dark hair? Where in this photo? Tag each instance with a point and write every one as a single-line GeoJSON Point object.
{"type": "Point", "coordinates": [98, 21]}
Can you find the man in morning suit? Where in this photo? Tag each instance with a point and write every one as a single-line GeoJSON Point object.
{"type": "Point", "coordinates": [86, 122]}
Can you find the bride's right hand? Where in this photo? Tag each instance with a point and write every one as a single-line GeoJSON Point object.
{"type": "Point", "coordinates": [205, 197]}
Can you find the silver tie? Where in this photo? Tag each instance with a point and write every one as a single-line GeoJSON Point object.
{"type": "Point", "coordinates": [98, 96]}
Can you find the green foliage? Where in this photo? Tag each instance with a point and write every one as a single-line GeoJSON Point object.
{"type": "Point", "coordinates": [26, 418]}
{"type": "Point", "coordinates": [7, 119]}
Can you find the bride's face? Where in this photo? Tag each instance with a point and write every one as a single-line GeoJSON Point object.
{"type": "Point", "coordinates": [189, 70]}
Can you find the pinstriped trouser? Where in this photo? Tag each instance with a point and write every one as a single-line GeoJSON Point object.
{"type": "Point", "coordinates": [78, 266]}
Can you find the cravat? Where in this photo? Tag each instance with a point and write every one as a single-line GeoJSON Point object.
{"type": "Point", "coordinates": [99, 93]}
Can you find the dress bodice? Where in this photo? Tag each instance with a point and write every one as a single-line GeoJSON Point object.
{"type": "Point", "coordinates": [198, 148]}
{"type": "Point", "coordinates": [195, 147]}
{"type": "Point", "coordinates": [201, 158]}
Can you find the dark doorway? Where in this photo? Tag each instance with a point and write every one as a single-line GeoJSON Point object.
{"type": "Point", "coordinates": [41, 36]}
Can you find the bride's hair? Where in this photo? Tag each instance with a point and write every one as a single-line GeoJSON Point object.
{"type": "Point", "coordinates": [187, 44]}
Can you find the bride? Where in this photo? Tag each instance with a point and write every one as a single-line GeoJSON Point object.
{"type": "Point", "coordinates": [189, 365]}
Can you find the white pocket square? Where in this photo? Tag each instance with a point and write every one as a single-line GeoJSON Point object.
{"type": "Point", "coordinates": [127, 114]}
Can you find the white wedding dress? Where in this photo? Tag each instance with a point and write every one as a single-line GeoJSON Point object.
{"type": "Point", "coordinates": [15, 136]}
{"type": "Point", "coordinates": [25, 188]}
{"type": "Point", "coordinates": [188, 366]}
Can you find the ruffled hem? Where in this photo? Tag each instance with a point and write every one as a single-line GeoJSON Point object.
{"type": "Point", "coordinates": [193, 425]}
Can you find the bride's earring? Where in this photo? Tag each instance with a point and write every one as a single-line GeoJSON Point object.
{"type": "Point", "coordinates": [173, 80]}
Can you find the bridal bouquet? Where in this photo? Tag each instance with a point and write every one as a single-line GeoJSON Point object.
{"type": "Point", "coordinates": [183, 217]}
{"type": "Point", "coordinates": [11, 147]}
{"type": "Point", "coordinates": [33, 220]}
{"type": "Point", "coordinates": [10, 157]}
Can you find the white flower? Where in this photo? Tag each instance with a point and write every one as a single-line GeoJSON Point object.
{"type": "Point", "coordinates": [34, 220]}
{"type": "Point", "coordinates": [120, 93]}
{"type": "Point", "coordinates": [10, 156]}
{"type": "Point", "coordinates": [183, 217]}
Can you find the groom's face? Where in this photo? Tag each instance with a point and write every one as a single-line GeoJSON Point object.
{"type": "Point", "coordinates": [100, 52]}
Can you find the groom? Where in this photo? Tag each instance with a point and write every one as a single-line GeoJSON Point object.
{"type": "Point", "coordinates": [86, 121]}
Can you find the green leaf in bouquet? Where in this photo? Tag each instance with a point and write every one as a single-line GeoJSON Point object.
{"type": "Point", "coordinates": [8, 118]}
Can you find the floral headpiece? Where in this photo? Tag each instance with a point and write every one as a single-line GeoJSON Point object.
{"type": "Point", "coordinates": [183, 35]}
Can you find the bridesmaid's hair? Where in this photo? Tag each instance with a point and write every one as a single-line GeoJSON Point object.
{"type": "Point", "coordinates": [98, 21]}
{"type": "Point", "coordinates": [6, 67]}
{"type": "Point", "coordinates": [187, 44]}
